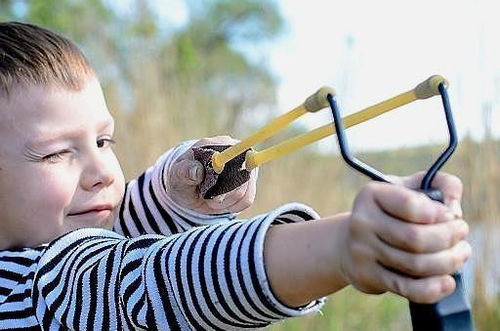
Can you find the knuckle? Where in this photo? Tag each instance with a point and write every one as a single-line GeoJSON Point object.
{"type": "Point", "coordinates": [416, 266]}
{"type": "Point", "coordinates": [359, 225]}
{"type": "Point", "coordinates": [448, 238]}
{"type": "Point", "coordinates": [228, 140]}
{"type": "Point", "coordinates": [415, 239]}
{"type": "Point", "coordinates": [357, 250]}
{"type": "Point", "coordinates": [410, 202]}
{"type": "Point", "coordinates": [203, 141]}
{"type": "Point", "coordinates": [178, 170]}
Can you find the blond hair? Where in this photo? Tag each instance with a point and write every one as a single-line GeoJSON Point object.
{"type": "Point", "coordinates": [32, 55]}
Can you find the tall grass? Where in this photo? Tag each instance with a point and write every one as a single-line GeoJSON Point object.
{"type": "Point", "coordinates": [163, 114]}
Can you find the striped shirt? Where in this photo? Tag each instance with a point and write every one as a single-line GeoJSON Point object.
{"type": "Point", "coordinates": [162, 268]}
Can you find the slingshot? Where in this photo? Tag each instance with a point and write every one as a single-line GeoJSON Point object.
{"type": "Point", "coordinates": [452, 313]}
{"type": "Point", "coordinates": [314, 103]}
{"type": "Point", "coordinates": [242, 158]}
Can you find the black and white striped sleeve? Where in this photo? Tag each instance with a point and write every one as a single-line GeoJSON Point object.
{"type": "Point", "coordinates": [208, 278]}
{"type": "Point", "coordinates": [147, 208]}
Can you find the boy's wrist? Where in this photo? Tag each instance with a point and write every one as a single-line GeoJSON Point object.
{"type": "Point", "coordinates": [335, 234]}
{"type": "Point", "coordinates": [341, 243]}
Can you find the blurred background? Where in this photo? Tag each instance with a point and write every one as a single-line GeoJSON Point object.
{"type": "Point", "coordinates": [174, 70]}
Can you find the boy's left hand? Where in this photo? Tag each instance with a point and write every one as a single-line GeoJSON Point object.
{"type": "Point", "coordinates": [187, 173]}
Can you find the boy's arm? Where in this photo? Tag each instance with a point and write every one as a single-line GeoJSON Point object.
{"type": "Point", "coordinates": [210, 277]}
{"type": "Point", "coordinates": [395, 240]}
{"type": "Point", "coordinates": [165, 199]}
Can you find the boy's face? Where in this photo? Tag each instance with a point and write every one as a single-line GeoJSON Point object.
{"type": "Point", "coordinates": [57, 169]}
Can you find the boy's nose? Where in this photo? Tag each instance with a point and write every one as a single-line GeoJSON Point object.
{"type": "Point", "coordinates": [97, 173]}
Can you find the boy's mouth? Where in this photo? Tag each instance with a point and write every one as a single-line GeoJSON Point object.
{"type": "Point", "coordinates": [93, 209]}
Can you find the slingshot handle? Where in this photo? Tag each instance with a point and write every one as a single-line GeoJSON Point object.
{"type": "Point", "coordinates": [452, 313]}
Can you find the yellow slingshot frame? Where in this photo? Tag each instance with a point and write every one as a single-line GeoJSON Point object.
{"type": "Point", "coordinates": [314, 103]}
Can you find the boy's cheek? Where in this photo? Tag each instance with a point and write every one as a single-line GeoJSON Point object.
{"type": "Point", "coordinates": [42, 215]}
{"type": "Point", "coordinates": [119, 178]}
{"type": "Point", "coordinates": [54, 193]}
{"type": "Point", "coordinates": [56, 203]}
{"type": "Point", "coordinates": [118, 190]}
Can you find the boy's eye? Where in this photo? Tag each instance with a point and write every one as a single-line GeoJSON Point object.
{"type": "Point", "coordinates": [105, 142]}
{"type": "Point", "coordinates": [55, 157]}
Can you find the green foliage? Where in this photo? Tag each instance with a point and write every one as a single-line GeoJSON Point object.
{"type": "Point", "coordinates": [229, 20]}
{"type": "Point", "coordinates": [78, 19]}
{"type": "Point", "coordinates": [352, 310]}
{"type": "Point", "coordinates": [206, 54]}
{"type": "Point", "coordinates": [9, 10]}
{"type": "Point", "coordinates": [187, 56]}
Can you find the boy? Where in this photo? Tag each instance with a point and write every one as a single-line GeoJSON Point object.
{"type": "Point", "coordinates": [174, 260]}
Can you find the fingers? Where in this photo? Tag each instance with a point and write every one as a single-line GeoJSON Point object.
{"type": "Point", "coordinates": [452, 188]}
{"type": "Point", "coordinates": [370, 275]}
{"type": "Point", "coordinates": [450, 185]}
{"type": "Point", "coordinates": [424, 290]}
{"type": "Point", "coordinates": [409, 205]}
{"type": "Point", "coordinates": [421, 238]}
{"type": "Point", "coordinates": [442, 262]}
{"type": "Point", "coordinates": [188, 172]}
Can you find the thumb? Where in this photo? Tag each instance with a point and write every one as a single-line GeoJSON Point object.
{"type": "Point", "coordinates": [189, 172]}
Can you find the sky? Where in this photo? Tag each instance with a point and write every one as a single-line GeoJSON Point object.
{"type": "Point", "coordinates": [373, 50]}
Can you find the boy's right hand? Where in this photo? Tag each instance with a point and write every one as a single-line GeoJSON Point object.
{"type": "Point", "coordinates": [401, 241]}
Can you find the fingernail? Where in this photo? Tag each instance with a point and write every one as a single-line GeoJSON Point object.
{"type": "Point", "coordinates": [447, 285]}
{"type": "Point", "coordinates": [463, 230]}
{"type": "Point", "coordinates": [195, 172]}
{"type": "Point", "coordinates": [455, 206]}
{"type": "Point", "coordinates": [465, 249]}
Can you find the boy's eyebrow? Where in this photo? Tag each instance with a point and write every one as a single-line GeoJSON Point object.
{"type": "Point", "coordinates": [54, 136]}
